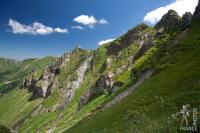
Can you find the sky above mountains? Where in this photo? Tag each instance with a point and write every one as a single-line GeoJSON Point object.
{"type": "Point", "coordinates": [37, 28]}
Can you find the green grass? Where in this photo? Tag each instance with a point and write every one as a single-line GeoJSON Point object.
{"type": "Point", "coordinates": [145, 60]}
{"type": "Point", "coordinates": [4, 129]}
{"type": "Point", "coordinates": [38, 122]}
{"type": "Point", "coordinates": [99, 60]}
{"type": "Point", "coordinates": [123, 77]}
{"type": "Point", "coordinates": [14, 105]}
{"type": "Point", "coordinates": [14, 102]}
{"type": "Point", "coordinates": [51, 100]}
{"type": "Point", "coordinates": [150, 107]}
{"type": "Point", "coordinates": [81, 114]}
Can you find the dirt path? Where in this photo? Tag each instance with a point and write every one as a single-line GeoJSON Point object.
{"type": "Point", "coordinates": [129, 90]}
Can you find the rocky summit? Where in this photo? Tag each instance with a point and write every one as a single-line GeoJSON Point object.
{"type": "Point", "coordinates": [169, 22]}
{"type": "Point", "coordinates": [197, 12]}
{"type": "Point", "coordinates": [186, 20]}
{"type": "Point", "coordinates": [137, 83]}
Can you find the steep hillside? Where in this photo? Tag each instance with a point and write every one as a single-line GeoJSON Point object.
{"type": "Point", "coordinates": [151, 107]}
{"type": "Point", "coordinates": [135, 83]}
{"type": "Point", "coordinates": [154, 105]}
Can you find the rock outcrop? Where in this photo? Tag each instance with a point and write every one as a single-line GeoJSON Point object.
{"type": "Point", "coordinates": [47, 81]}
{"type": "Point", "coordinates": [196, 14]}
{"type": "Point", "coordinates": [145, 44]}
{"type": "Point", "coordinates": [186, 20]}
{"type": "Point", "coordinates": [104, 85]}
{"type": "Point", "coordinates": [41, 87]}
{"type": "Point", "coordinates": [78, 80]}
{"type": "Point", "coordinates": [126, 40]}
{"type": "Point", "coordinates": [169, 22]}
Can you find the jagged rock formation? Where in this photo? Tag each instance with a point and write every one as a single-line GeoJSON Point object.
{"type": "Point", "coordinates": [132, 36]}
{"type": "Point", "coordinates": [41, 87]}
{"type": "Point", "coordinates": [47, 80]}
{"type": "Point", "coordinates": [169, 22]}
{"type": "Point", "coordinates": [197, 12]}
{"type": "Point", "coordinates": [186, 20]}
{"type": "Point", "coordinates": [173, 22]}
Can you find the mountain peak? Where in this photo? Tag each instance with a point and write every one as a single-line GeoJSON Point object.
{"type": "Point", "coordinates": [186, 20]}
{"type": "Point", "coordinates": [197, 12]}
{"type": "Point", "coordinates": [172, 12]}
{"type": "Point", "coordinates": [169, 22]}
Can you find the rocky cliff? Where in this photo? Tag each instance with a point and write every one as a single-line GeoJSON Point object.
{"type": "Point", "coordinates": [173, 22]}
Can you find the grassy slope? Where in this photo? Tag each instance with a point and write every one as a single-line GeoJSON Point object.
{"type": "Point", "coordinates": [150, 107]}
{"type": "Point", "coordinates": [15, 105]}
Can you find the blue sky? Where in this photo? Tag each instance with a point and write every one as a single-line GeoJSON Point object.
{"type": "Point", "coordinates": [37, 28]}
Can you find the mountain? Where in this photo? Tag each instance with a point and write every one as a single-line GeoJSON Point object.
{"type": "Point", "coordinates": [135, 83]}
{"type": "Point", "coordinates": [6, 64]}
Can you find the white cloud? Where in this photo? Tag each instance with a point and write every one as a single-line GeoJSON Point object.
{"type": "Point", "coordinates": [35, 29]}
{"type": "Point", "coordinates": [59, 30]}
{"type": "Point", "coordinates": [180, 6]}
{"type": "Point", "coordinates": [19, 28]}
{"type": "Point", "coordinates": [39, 28]}
{"type": "Point", "coordinates": [89, 21]}
{"type": "Point", "coordinates": [77, 27]}
{"type": "Point", "coordinates": [86, 20]}
{"type": "Point", "coordinates": [103, 21]}
{"type": "Point", "coordinates": [105, 41]}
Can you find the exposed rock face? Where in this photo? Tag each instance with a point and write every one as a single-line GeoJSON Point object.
{"type": "Point", "coordinates": [73, 85]}
{"type": "Point", "coordinates": [63, 60]}
{"type": "Point", "coordinates": [109, 62]}
{"type": "Point", "coordinates": [45, 84]}
{"type": "Point", "coordinates": [28, 82]}
{"type": "Point", "coordinates": [132, 36]}
{"type": "Point", "coordinates": [145, 44]}
{"type": "Point", "coordinates": [169, 22]}
{"type": "Point", "coordinates": [105, 84]}
{"type": "Point", "coordinates": [197, 12]}
{"type": "Point", "coordinates": [186, 20]}
{"type": "Point", "coordinates": [42, 86]}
